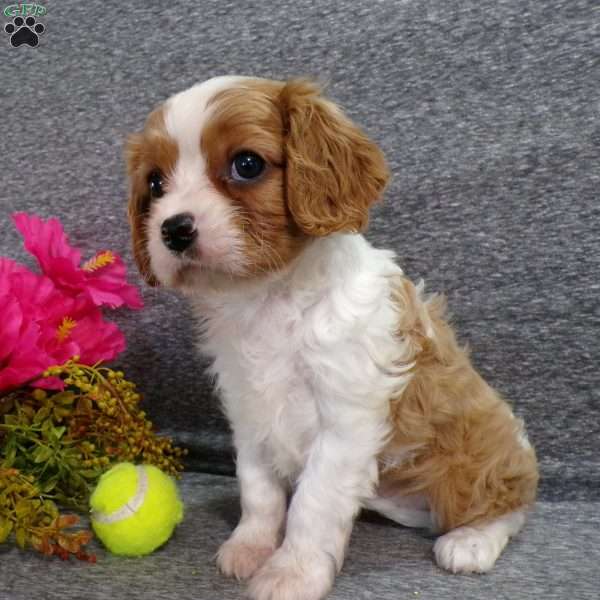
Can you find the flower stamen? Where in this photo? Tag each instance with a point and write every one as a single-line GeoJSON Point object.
{"type": "Point", "coordinates": [63, 331]}
{"type": "Point", "coordinates": [99, 261]}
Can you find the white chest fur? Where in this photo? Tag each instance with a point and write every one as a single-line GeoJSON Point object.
{"type": "Point", "coordinates": [288, 354]}
{"type": "Point", "coordinates": [265, 384]}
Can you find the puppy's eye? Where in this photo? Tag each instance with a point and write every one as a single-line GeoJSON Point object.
{"type": "Point", "coordinates": [246, 166]}
{"type": "Point", "coordinates": [155, 184]}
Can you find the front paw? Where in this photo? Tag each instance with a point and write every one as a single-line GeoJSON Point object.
{"type": "Point", "coordinates": [293, 576]}
{"type": "Point", "coordinates": [240, 558]}
{"type": "Point", "coordinates": [466, 550]}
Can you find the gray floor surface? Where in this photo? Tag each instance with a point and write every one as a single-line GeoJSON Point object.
{"type": "Point", "coordinates": [556, 556]}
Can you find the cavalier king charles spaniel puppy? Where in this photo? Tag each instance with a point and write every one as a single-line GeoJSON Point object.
{"type": "Point", "coordinates": [344, 384]}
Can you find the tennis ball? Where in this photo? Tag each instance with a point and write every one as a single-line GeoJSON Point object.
{"type": "Point", "coordinates": [134, 509]}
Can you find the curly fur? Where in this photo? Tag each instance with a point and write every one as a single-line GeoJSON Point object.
{"type": "Point", "coordinates": [344, 386]}
{"type": "Point", "coordinates": [334, 171]}
{"type": "Point", "coordinates": [467, 457]}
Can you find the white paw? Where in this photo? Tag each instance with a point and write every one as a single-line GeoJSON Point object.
{"type": "Point", "coordinates": [240, 558]}
{"type": "Point", "coordinates": [289, 576]}
{"type": "Point", "coordinates": [467, 550]}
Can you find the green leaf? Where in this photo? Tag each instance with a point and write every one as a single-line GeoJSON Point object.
{"type": "Point", "coordinates": [6, 527]}
{"type": "Point", "coordinates": [49, 485]}
{"type": "Point", "coordinates": [64, 398]}
{"type": "Point", "coordinates": [90, 473]}
{"type": "Point", "coordinates": [10, 455]}
{"type": "Point", "coordinates": [61, 412]}
{"type": "Point", "coordinates": [22, 508]}
{"type": "Point", "coordinates": [46, 428]}
{"type": "Point", "coordinates": [57, 432]}
{"type": "Point", "coordinates": [20, 536]}
{"type": "Point", "coordinates": [50, 509]}
{"type": "Point", "coordinates": [42, 414]}
{"type": "Point", "coordinates": [27, 410]}
{"type": "Point", "coordinates": [42, 454]}
{"type": "Point", "coordinates": [11, 419]}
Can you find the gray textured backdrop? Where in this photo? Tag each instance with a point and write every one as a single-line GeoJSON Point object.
{"type": "Point", "coordinates": [486, 109]}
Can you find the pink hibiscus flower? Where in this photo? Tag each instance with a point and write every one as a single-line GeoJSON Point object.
{"type": "Point", "coordinates": [47, 319]}
{"type": "Point", "coordinates": [42, 326]}
{"type": "Point", "coordinates": [20, 357]}
{"type": "Point", "coordinates": [69, 326]}
{"type": "Point", "coordinates": [101, 279]}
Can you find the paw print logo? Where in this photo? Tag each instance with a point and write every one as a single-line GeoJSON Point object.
{"type": "Point", "coordinates": [24, 31]}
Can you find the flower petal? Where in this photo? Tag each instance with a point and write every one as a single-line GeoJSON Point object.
{"type": "Point", "coordinates": [26, 361]}
{"type": "Point", "coordinates": [10, 324]}
{"type": "Point", "coordinates": [7, 268]}
{"type": "Point", "coordinates": [46, 240]}
{"type": "Point", "coordinates": [49, 383]}
{"type": "Point", "coordinates": [92, 338]}
{"type": "Point", "coordinates": [108, 286]}
{"type": "Point", "coordinates": [38, 296]}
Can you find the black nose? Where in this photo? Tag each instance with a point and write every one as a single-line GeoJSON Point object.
{"type": "Point", "coordinates": [178, 232]}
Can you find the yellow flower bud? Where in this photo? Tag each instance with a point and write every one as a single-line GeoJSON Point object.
{"type": "Point", "coordinates": [39, 394]}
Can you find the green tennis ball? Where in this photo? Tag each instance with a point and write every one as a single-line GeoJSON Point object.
{"type": "Point", "coordinates": [134, 509]}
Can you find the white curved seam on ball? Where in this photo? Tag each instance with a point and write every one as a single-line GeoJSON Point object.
{"type": "Point", "coordinates": [130, 508]}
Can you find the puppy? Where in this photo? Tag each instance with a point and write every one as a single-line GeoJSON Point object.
{"type": "Point", "coordinates": [343, 384]}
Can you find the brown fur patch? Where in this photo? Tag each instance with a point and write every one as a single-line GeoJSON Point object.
{"type": "Point", "coordinates": [467, 458]}
{"type": "Point", "coordinates": [334, 171]}
{"type": "Point", "coordinates": [152, 149]}
{"type": "Point", "coordinates": [249, 118]}
{"type": "Point", "coordinates": [322, 171]}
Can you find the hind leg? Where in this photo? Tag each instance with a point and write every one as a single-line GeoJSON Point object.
{"type": "Point", "coordinates": [475, 548]}
{"type": "Point", "coordinates": [466, 549]}
{"type": "Point", "coordinates": [410, 511]}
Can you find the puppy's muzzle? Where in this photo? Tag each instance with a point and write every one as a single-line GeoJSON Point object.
{"type": "Point", "coordinates": [178, 232]}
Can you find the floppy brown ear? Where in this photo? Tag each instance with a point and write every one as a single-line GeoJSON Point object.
{"type": "Point", "coordinates": [138, 205]}
{"type": "Point", "coordinates": [334, 171]}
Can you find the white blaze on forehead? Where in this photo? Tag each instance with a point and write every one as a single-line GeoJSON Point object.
{"type": "Point", "coordinates": [186, 112]}
{"type": "Point", "coordinates": [189, 190]}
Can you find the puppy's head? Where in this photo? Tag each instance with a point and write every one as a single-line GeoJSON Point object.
{"type": "Point", "coordinates": [233, 177]}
